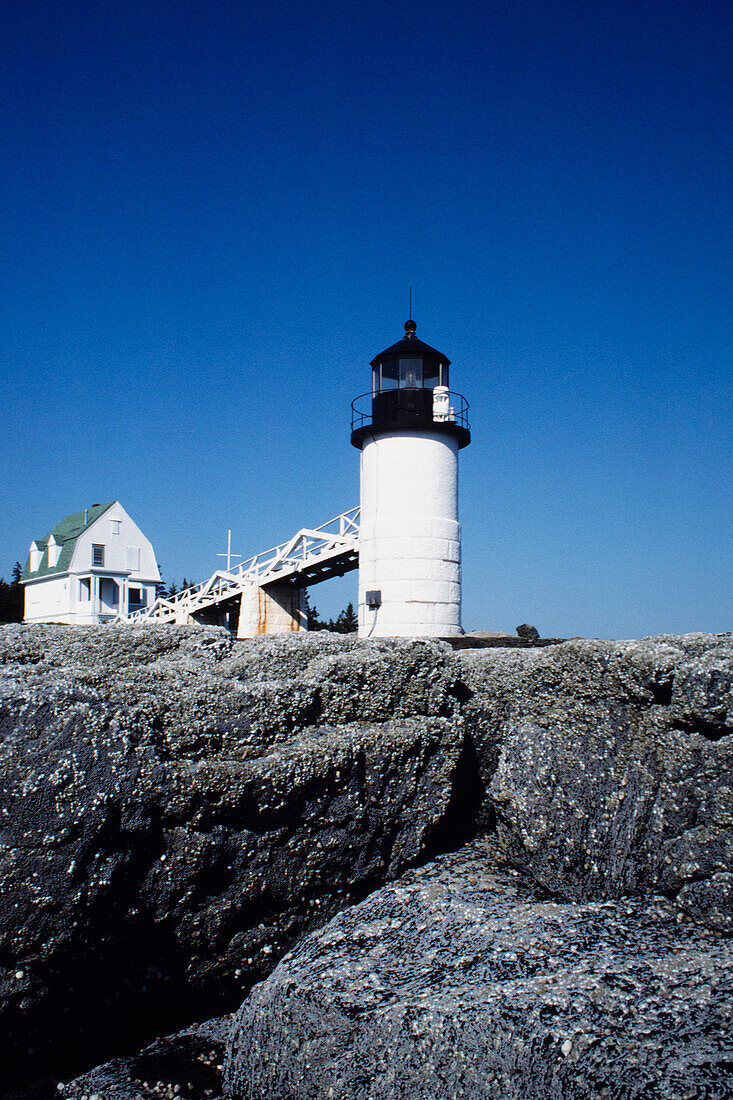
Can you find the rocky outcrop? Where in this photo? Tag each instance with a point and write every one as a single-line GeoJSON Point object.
{"type": "Point", "coordinates": [609, 765]}
{"type": "Point", "coordinates": [589, 971]}
{"type": "Point", "coordinates": [528, 632]}
{"type": "Point", "coordinates": [178, 808]}
{"type": "Point", "coordinates": [461, 982]}
{"type": "Point", "coordinates": [187, 1065]}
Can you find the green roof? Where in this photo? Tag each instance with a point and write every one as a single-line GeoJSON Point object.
{"type": "Point", "coordinates": [65, 534]}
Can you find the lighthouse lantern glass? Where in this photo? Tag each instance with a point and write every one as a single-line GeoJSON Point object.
{"type": "Point", "coordinates": [410, 374]}
{"type": "Point", "coordinates": [415, 372]}
{"type": "Point", "coordinates": [431, 374]}
{"type": "Point", "coordinates": [389, 375]}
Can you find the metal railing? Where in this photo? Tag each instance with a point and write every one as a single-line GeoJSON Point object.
{"type": "Point", "coordinates": [362, 410]}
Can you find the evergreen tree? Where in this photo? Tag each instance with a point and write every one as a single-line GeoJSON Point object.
{"type": "Point", "coordinates": [347, 622]}
{"type": "Point", "coordinates": [160, 586]}
{"type": "Point", "coordinates": [17, 594]}
{"type": "Point", "coordinates": [314, 623]}
{"type": "Point", "coordinates": [168, 591]}
{"type": "Point", "coordinates": [312, 619]}
{"type": "Point", "coordinates": [11, 597]}
{"type": "Point", "coordinates": [4, 601]}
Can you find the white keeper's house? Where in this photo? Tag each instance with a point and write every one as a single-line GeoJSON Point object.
{"type": "Point", "coordinates": [91, 567]}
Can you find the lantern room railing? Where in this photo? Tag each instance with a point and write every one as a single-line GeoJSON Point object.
{"type": "Point", "coordinates": [410, 407]}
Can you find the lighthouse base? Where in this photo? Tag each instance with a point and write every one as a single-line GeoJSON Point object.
{"type": "Point", "coordinates": [418, 591]}
{"type": "Point", "coordinates": [277, 609]}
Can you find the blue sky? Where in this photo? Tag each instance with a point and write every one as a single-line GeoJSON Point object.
{"type": "Point", "coordinates": [211, 216]}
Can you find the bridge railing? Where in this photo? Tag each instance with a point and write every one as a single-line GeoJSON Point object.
{"type": "Point", "coordinates": [304, 544]}
{"type": "Point", "coordinates": [288, 557]}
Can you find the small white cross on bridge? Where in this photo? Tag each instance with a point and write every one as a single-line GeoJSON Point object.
{"type": "Point", "coordinates": [229, 555]}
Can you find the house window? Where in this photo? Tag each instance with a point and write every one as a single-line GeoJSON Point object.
{"type": "Point", "coordinates": [137, 597]}
{"type": "Point", "coordinates": [132, 557]}
{"type": "Point", "coordinates": [97, 555]}
{"type": "Point", "coordinates": [85, 589]}
{"type": "Point", "coordinates": [115, 524]}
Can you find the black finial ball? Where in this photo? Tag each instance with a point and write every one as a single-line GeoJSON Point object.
{"type": "Point", "coordinates": [410, 328]}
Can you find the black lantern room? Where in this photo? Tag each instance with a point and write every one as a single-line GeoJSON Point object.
{"type": "Point", "coordinates": [410, 390]}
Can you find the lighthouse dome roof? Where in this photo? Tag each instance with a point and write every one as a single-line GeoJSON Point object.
{"type": "Point", "coordinates": [409, 345]}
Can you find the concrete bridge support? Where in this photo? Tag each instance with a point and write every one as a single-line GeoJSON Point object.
{"type": "Point", "coordinates": [277, 609]}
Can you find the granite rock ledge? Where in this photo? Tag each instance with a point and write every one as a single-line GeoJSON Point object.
{"type": "Point", "coordinates": [180, 809]}
{"type": "Point", "coordinates": [461, 982]}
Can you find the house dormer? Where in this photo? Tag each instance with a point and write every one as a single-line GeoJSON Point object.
{"type": "Point", "coordinates": [35, 555]}
{"type": "Point", "coordinates": [54, 552]}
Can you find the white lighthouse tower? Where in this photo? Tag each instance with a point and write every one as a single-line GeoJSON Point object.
{"type": "Point", "coordinates": [409, 430]}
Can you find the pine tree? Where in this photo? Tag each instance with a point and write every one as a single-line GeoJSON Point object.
{"type": "Point", "coordinates": [160, 586]}
{"type": "Point", "coordinates": [4, 600]}
{"type": "Point", "coordinates": [347, 622]}
{"type": "Point", "coordinates": [11, 597]}
{"type": "Point", "coordinates": [312, 619]}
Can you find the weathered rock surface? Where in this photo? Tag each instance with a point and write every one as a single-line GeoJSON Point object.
{"type": "Point", "coordinates": [609, 765]}
{"type": "Point", "coordinates": [527, 631]}
{"type": "Point", "coordinates": [459, 982]}
{"type": "Point", "coordinates": [188, 1064]}
{"type": "Point", "coordinates": [177, 808]}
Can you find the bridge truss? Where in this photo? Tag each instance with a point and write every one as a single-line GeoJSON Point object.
{"type": "Point", "coordinates": [310, 556]}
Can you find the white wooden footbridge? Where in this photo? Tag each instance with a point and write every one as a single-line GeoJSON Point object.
{"type": "Point", "coordinates": [269, 586]}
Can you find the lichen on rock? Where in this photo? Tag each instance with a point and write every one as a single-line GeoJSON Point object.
{"type": "Point", "coordinates": [180, 809]}
{"type": "Point", "coordinates": [461, 981]}
{"type": "Point", "coordinates": [190, 805]}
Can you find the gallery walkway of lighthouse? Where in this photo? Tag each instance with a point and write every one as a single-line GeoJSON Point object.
{"type": "Point", "coordinates": [269, 585]}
